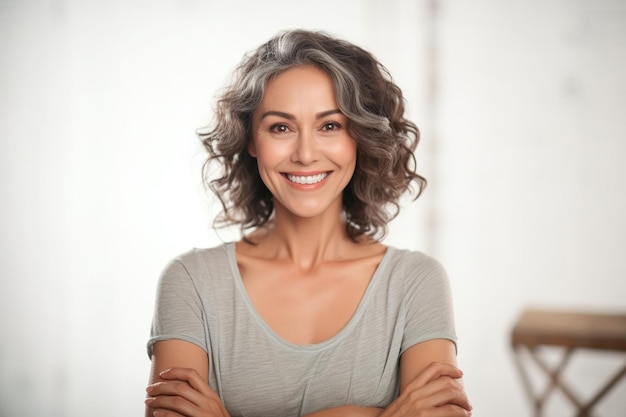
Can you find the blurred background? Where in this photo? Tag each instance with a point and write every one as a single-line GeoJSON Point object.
{"type": "Point", "coordinates": [521, 104]}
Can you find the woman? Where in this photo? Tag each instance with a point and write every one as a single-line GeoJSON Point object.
{"type": "Point", "coordinates": [309, 314]}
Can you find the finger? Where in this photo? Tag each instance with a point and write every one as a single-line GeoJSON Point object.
{"type": "Point", "coordinates": [174, 388]}
{"type": "Point", "coordinates": [166, 413]}
{"type": "Point", "coordinates": [455, 410]}
{"type": "Point", "coordinates": [450, 410]}
{"type": "Point", "coordinates": [437, 393]}
{"type": "Point", "coordinates": [191, 376]}
{"type": "Point", "coordinates": [179, 394]}
{"type": "Point", "coordinates": [434, 371]}
{"type": "Point", "coordinates": [169, 406]}
{"type": "Point", "coordinates": [445, 390]}
{"type": "Point", "coordinates": [166, 405]}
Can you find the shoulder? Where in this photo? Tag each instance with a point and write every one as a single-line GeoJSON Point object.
{"type": "Point", "coordinates": [414, 272]}
{"type": "Point", "coordinates": [197, 263]}
{"type": "Point", "coordinates": [198, 256]}
{"type": "Point", "coordinates": [414, 263]}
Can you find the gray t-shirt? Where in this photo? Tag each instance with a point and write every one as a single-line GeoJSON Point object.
{"type": "Point", "coordinates": [201, 298]}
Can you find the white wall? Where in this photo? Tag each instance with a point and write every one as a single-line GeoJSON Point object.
{"type": "Point", "coordinates": [100, 172]}
{"type": "Point", "coordinates": [531, 200]}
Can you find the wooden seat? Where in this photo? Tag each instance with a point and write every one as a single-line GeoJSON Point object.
{"type": "Point", "coordinates": [570, 330]}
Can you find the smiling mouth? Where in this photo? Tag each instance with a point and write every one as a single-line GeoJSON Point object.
{"type": "Point", "coordinates": [307, 179]}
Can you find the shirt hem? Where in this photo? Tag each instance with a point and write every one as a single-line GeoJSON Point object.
{"type": "Point", "coordinates": [155, 339]}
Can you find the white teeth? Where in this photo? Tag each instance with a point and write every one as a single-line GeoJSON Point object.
{"type": "Point", "coordinates": [309, 179]}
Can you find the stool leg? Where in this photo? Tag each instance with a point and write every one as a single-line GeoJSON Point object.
{"type": "Point", "coordinates": [539, 400]}
{"type": "Point", "coordinates": [554, 382]}
{"type": "Point", "coordinates": [586, 410]}
{"type": "Point", "coordinates": [536, 402]}
{"type": "Point", "coordinates": [554, 375]}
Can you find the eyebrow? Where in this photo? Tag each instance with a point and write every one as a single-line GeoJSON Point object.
{"type": "Point", "coordinates": [292, 117]}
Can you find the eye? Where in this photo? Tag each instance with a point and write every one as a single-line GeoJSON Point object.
{"type": "Point", "coordinates": [331, 126]}
{"type": "Point", "coordinates": [279, 128]}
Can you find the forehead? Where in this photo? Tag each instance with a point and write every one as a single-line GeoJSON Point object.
{"type": "Point", "coordinates": [298, 85]}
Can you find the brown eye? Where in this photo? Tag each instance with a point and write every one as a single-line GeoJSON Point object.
{"type": "Point", "coordinates": [330, 126]}
{"type": "Point", "coordinates": [279, 128]}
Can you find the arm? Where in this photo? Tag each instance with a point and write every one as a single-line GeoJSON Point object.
{"type": "Point", "coordinates": [183, 388]}
{"type": "Point", "coordinates": [430, 382]}
{"type": "Point", "coordinates": [179, 382]}
{"type": "Point", "coordinates": [418, 357]}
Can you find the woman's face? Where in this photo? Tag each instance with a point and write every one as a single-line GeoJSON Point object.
{"type": "Point", "coordinates": [304, 153]}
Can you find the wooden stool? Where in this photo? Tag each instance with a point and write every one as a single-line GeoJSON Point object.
{"type": "Point", "coordinates": [570, 330]}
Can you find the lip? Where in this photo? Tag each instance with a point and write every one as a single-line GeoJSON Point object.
{"type": "Point", "coordinates": [306, 187]}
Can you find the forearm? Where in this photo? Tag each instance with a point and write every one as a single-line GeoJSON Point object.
{"type": "Point", "coordinates": [348, 411]}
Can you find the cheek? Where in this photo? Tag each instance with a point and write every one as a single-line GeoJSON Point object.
{"type": "Point", "coordinates": [346, 151]}
{"type": "Point", "coordinates": [270, 154]}
{"type": "Point", "coordinates": [264, 156]}
{"type": "Point", "coordinates": [351, 155]}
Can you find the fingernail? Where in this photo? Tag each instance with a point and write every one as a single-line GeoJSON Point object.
{"type": "Point", "coordinates": [148, 400]}
{"type": "Point", "coordinates": [149, 388]}
{"type": "Point", "coordinates": [164, 372]}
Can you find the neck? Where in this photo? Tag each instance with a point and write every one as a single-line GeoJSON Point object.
{"type": "Point", "coordinates": [307, 242]}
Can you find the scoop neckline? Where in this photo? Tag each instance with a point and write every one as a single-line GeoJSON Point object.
{"type": "Point", "coordinates": [266, 328]}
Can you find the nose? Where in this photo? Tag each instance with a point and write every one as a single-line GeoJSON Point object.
{"type": "Point", "coordinates": [306, 148]}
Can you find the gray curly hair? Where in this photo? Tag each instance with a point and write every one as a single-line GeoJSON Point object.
{"type": "Point", "coordinates": [365, 94]}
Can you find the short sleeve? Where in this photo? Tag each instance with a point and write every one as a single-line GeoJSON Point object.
{"type": "Point", "coordinates": [427, 304]}
{"type": "Point", "coordinates": [178, 312]}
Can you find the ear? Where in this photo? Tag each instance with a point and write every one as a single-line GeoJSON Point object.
{"type": "Point", "coordinates": [252, 148]}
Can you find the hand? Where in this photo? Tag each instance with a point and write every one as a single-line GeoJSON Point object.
{"type": "Point", "coordinates": [436, 392]}
{"type": "Point", "coordinates": [184, 393]}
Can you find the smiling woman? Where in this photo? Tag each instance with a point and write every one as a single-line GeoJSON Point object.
{"type": "Point", "coordinates": [309, 313]}
{"type": "Point", "coordinates": [305, 154]}
{"type": "Point", "coordinates": [364, 94]}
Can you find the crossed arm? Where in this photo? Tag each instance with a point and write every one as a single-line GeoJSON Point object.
{"type": "Point", "coordinates": [430, 385]}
